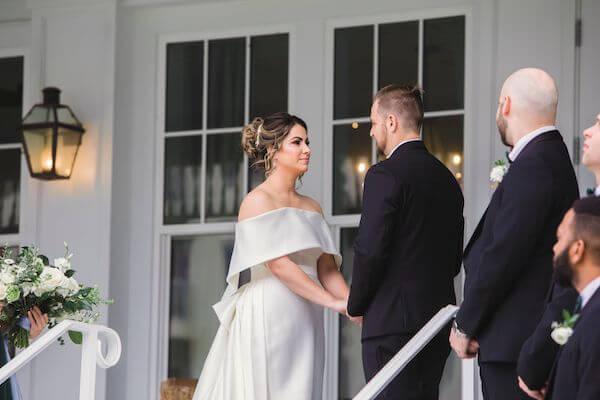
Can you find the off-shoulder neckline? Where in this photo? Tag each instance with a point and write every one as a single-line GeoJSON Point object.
{"type": "Point", "coordinates": [279, 209]}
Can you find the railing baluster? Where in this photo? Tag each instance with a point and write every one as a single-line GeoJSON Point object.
{"type": "Point", "coordinates": [91, 353]}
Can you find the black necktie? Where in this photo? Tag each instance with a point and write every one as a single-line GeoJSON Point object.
{"type": "Point", "coordinates": [591, 192]}
{"type": "Point", "coordinates": [508, 157]}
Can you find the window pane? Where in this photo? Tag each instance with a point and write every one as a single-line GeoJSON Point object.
{"type": "Point", "coordinates": [198, 269]}
{"type": "Point", "coordinates": [268, 75]}
{"type": "Point", "coordinates": [443, 136]}
{"type": "Point", "coordinates": [398, 53]}
{"type": "Point", "coordinates": [224, 177]}
{"type": "Point", "coordinates": [351, 159]}
{"type": "Point", "coordinates": [353, 72]}
{"type": "Point", "coordinates": [256, 176]}
{"type": "Point", "coordinates": [185, 66]}
{"type": "Point", "coordinates": [10, 189]}
{"type": "Point", "coordinates": [226, 81]}
{"type": "Point", "coordinates": [351, 378]}
{"type": "Point", "coordinates": [444, 63]}
{"type": "Point", "coordinates": [183, 174]}
{"type": "Point", "coordinates": [11, 98]}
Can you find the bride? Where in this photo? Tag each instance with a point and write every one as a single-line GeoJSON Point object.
{"type": "Point", "coordinates": [283, 271]}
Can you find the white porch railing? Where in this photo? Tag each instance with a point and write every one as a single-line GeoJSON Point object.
{"type": "Point", "coordinates": [91, 353]}
{"type": "Point", "coordinates": [407, 353]}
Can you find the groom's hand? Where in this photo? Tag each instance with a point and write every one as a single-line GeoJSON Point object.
{"type": "Point", "coordinates": [463, 346]}
{"type": "Point", "coordinates": [534, 394]}
{"type": "Point", "coordinates": [356, 320]}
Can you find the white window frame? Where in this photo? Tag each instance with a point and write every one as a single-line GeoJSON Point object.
{"type": "Point", "coordinates": [161, 268]}
{"type": "Point", "coordinates": [27, 186]}
{"type": "Point", "coordinates": [469, 369]}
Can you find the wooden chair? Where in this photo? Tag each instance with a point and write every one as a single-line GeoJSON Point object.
{"type": "Point", "coordinates": [177, 389]}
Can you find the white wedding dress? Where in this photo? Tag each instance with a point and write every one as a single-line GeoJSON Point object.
{"type": "Point", "coordinates": [270, 344]}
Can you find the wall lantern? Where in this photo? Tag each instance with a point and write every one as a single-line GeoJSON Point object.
{"type": "Point", "coordinates": [51, 137]}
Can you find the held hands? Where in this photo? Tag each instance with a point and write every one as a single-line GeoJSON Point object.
{"type": "Point", "coordinates": [340, 306]}
{"type": "Point", "coordinates": [534, 394]}
{"type": "Point", "coordinates": [464, 347]}
{"type": "Point", "coordinates": [37, 320]}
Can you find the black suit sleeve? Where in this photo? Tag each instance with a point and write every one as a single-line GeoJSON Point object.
{"type": "Point", "coordinates": [589, 367]}
{"type": "Point", "coordinates": [538, 353]}
{"type": "Point", "coordinates": [381, 202]}
{"type": "Point", "coordinates": [522, 211]}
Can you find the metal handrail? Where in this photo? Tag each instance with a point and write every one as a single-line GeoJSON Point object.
{"type": "Point", "coordinates": [91, 353]}
{"type": "Point", "coordinates": [407, 353]}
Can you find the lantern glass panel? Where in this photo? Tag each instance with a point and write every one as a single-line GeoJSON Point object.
{"type": "Point", "coordinates": [66, 150]}
{"type": "Point", "coordinates": [65, 116]}
{"type": "Point", "coordinates": [39, 147]}
{"type": "Point", "coordinates": [39, 115]}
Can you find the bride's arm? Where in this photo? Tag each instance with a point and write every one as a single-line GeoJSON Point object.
{"type": "Point", "coordinates": [298, 282]}
{"type": "Point", "coordinates": [331, 278]}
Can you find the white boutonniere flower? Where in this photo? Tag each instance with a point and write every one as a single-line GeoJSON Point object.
{"type": "Point", "coordinates": [498, 171]}
{"type": "Point", "coordinates": [562, 331]}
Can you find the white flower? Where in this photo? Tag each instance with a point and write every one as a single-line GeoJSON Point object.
{"type": "Point", "coordinates": [50, 279]}
{"type": "Point", "coordinates": [72, 285]}
{"type": "Point", "coordinates": [561, 334]}
{"type": "Point", "coordinates": [27, 288]}
{"type": "Point", "coordinates": [62, 264]}
{"type": "Point", "coordinates": [8, 261]}
{"type": "Point", "coordinates": [8, 276]}
{"type": "Point", "coordinates": [498, 173]}
{"type": "Point", "coordinates": [2, 291]}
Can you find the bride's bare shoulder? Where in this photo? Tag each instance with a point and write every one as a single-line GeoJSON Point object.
{"type": "Point", "coordinates": [257, 202]}
{"type": "Point", "coordinates": [310, 204]}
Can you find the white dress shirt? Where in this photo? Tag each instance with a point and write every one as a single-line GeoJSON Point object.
{"type": "Point", "coordinates": [587, 292]}
{"type": "Point", "coordinates": [597, 191]}
{"type": "Point", "coordinates": [400, 144]}
{"type": "Point", "coordinates": [521, 143]}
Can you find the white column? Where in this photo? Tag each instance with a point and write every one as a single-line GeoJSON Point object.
{"type": "Point", "coordinates": [72, 48]}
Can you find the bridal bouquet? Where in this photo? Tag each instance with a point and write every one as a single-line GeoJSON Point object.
{"type": "Point", "coordinates": [29, 280]}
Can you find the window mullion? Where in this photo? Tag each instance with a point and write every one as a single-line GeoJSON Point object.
{"type": "Point", "coordinates": [246, 108]}
{"type": "Point", "coordinates": [204, 141]}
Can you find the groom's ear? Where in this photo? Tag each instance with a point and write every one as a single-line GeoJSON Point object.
{"type": "Point", "coordinates": [506, 106]}
{"type": "Point", "coordinates": [391, 122]}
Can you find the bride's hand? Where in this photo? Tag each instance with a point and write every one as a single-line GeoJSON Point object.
{"type": "Point", "coordinates": [339, 306]}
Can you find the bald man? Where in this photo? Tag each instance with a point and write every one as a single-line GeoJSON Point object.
{"type": "Point", "coordinates": [508, 260]}
{"type": "Point", "coordinates": [591, 152]}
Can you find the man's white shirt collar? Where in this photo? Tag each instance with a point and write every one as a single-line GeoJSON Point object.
{"type": "Point", "coordinates": [400, 144]}
{"type": "Point", "coordinates": [521, 143]}
{"type": "Point", "coordinates": [587, 292]}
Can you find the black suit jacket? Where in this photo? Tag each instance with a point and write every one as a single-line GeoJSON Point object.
{"type": "Point", "coordinates": [539, 352]}
{"type": "Point", "coordinates": [577, 373]}
{"type": "Point", "coordinates": [409, 243]}
{"type": "Point", "coordinates": [508, 261]}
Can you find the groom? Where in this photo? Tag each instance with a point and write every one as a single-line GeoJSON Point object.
{"type": "Point", "coordinates": [408, 248]}
{"type": "Point", "coordinates": [508, 260]}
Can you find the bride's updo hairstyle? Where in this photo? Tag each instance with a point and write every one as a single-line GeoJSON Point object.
{"type": "Point", "coordinates": [262, 137]}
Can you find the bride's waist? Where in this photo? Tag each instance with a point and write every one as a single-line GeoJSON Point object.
{"type": "Point", "coordinates": [262, 271]}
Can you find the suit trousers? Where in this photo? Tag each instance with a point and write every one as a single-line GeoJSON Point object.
{"type": "Point", "coordinates": [499, 381]}
{"type": "Point", "coordinates": [420, 378]}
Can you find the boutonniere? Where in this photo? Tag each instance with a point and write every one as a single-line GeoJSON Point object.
{"type": "Point", "coordinates": [562, 331]}
{"type": "Point", "coordinates": [498, 171]}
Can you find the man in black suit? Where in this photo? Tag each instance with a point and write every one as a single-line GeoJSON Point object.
{"type": "Point", "coordinates": [409, 246]}
{"type": "Point", "coordinates": [538, 353]}
{"type": "Point", "coordinates": [508, 260]}
{"type": "Point", "coordinates": [577, 261]}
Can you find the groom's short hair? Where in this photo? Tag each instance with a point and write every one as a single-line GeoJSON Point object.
{"type": "Point", "coordinates": [587, 224]}
{"type": "Point", "coordinates": [404, 101]}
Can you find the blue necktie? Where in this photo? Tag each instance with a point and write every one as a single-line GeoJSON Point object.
{"type": "Point", "coordinates": [577, 307]}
